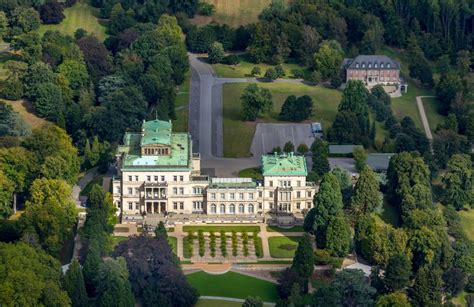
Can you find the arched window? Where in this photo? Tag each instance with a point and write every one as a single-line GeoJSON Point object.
{"type": "Point", "coordinates": [241, 208]}
{"type": "Point", "coordinates": [222, 209]}
{"type": "Point", "coordinates": [250, 208]}
{"type": "Point", "coordinates": [232, 208]}
{"type": "Point", "coordinates": [213, 208]}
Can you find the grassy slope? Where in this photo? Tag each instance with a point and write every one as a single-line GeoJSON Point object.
{"type": "Point", "coordinates": [245, 67]}
{"type": "Point", "coordinates": [467, 222]}
{"type": "Point", "coordinates": [80, 15]}
{"type": "Point", "coordinates": [253, 172]}
{"type": "Point", "coordinates": [182, 105]}
{"type": "Point", "coordinates": [97, 180]}
{"type": "Point", "coordinates": [24, 109]}
{"type": "Point", "coordinates": [234, 285]}
{"type": "Point", "coordinates": [216, 303]}
{"type": "Point", "coordinates": [238, 135]}
{"type": "Point", "coordinates": [277, 243]}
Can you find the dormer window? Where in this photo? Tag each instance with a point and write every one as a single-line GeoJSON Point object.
{"type": "Point", "coordinates": [375, 65]}
{"type": "Point", "coordinates": [357, 65]}
{"type": "Point", "coordinates": [370, 65]}
{"type": "Point", "coordinates": [388, 65]}
{"type": "Point", "coordinates": [156, 151]}
{"type": "Point", "coordinates": [363, 65]}
{"type": "Point", "coordinates": [381, 65]}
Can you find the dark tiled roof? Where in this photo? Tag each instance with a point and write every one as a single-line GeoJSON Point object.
{"type": "Point", "coordinates": [363, 62]}
{"type": "Point", "coordinates": [379, 161]}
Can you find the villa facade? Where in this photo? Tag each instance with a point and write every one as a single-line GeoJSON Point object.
{"type": "Point", "coordinates": [372, 70]}
{"type": "Point", "coordinates": [159, 173]}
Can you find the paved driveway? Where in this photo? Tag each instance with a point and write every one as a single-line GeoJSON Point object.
{"type": "Point", "coordinates": [269, 136]}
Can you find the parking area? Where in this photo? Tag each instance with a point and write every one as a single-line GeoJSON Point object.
{"type": "Point", "coordinates": [269, 136]}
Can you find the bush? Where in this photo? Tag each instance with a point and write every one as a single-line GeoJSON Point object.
{"type": "Point", "coordinates": [215, 54]}
{"type": "Point", "coordinates": [303, 148]}
{"type": "Point", "coordinates": [13, 90]}
{"type": "Point", "coordinates": [336, 82]}
{"type": "Point", "coordinates": [256, 70]}
{"type": "Point", "coordinates": [321, 257]}
{"type": "Point", "coordinates": [51, 12]}
{"type": "Point", "coordinates": [289, 147]}
{"type": "Point", "coordinates": [231, 60]}
{"type": "Point", "coordinates": [223, 244]}
{"type": "Point", "coordinates": [212, 243]}
{"type": "Point", "coordinates": [313, 77]}
{"type": "Point", "coordinates": [297, 73]}
{"type": "Point", "coordinates": [202, 243]}
{"type": "Point", "coordinates": [80, 33]}
{"type": "Point", "coordinates": [258, 245]}
{"type": "Point", "coordinates": [245, 240]}
{"type": "Point", "coordinates": [279, 71]}
{"type": "Point", "coordinates": [206, 9]}
{"type": "Point", "coordinates": [188, 245]}
{"type": "Point", "coordinates": [271, 74]}
{"type": "Point", "coordinates": [234, 243]}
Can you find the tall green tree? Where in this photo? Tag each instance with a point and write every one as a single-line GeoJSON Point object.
{"type": "Point", "coordinates": [427, 287]}
{"type": "Point", "coordinates": [396, 299]}
{"type": "Point", "coordinates": [7, 188]}
{"type": "Point", "coordinates": [215, 53]}
{"type": "Point", "coordinates": [303, 262]}
{"type": "Point", "coordinates": [320, 152]}
{"type": "Point", "coordinates": [114, 288]}
{"type": "Point", "coordinates": [366, 196]}
{"type": "Point", "coordinates": [160, 231]}
{"type": "Point", "coordinates": [397, 273]}
{"type": "Point", "coordinates": [328, 59]}
{"type": "Point", "coordinates": [338, 235]}
{"type": "Point", "coordinates": [353, 289]}
{"type": "Point", "coordinates": [459, 181]}
{"type": "Point", "coordinates": [255, 100]}
{"type": "Point", "coordinates": [73, 283]}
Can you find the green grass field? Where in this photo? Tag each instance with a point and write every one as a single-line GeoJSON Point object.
{"type": "Point", "coordinates": [233, 285]}
{"type": "Point", "coordinates": [88, 187]}
{"type": "Point", "coordinates": [278, 229]}
{"type": "Point", "coordinates": [237, 12]}
{"type": "Point", "coordinates": [245, 67]}
{"type": "Point", "coordinates": [238, 135]}
{"type": "Point", "coordinates": [173, 241]}
{"type": "Point", "coordinates": [182, 105]}
{"type": "Point", "coordinates": [80, 15]}
{"type": "Point", "coordinates": [25, 110]}
{"type": "Point", "coordinates": [253, 172]}
{"type": "Point", "coordinates": [283, 247]}
{"type": "Point", "coordinates": [216, 303]}
{"type": "Point", "coordinates": [467, 222]}
{"type": "Point", "coordinates": [218, 228]}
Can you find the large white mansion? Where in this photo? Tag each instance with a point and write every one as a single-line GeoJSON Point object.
{"type": "Point", "coordinates": [158, 173]}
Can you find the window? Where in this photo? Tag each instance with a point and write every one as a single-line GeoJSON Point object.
{"type": "Point", "coordinates": [175, 191]}
{"type": "Point", "coordinates": [381, 65]}
{"type": "Point", "coordinates": [309, 193]}
{"type": "Point", "coordinates": [298, 205]}
{"type": "Point", "coordinates": [232, 209]}
{"type": "Point", "coordinates": [137, 206]}
{"type": "Point", "coordinates": [181, 178]}
{"type": "Point", "coordinates": [388, 65]}
{"type": "Point", "coordinates": [181, 191]}
{"type": "Point", "coordinates": [130, 178]}
{"type": "Point", "coordinates": [260, 194]}
{"type": "Point", "coordinates": [363, 65]}
{"type": "Point", "coordinates": [181, 206]}
{"type": "Point", "coordinates": [375, 65]}
{"type": "Point", "coordinates": [298, 183]}
{"type": "Point", "coordinates": [175, 178]}
{"type": "Point", "coordinates": [213, 195]}
{"type": "Point", "coordinates": [175, 205]}
{"type": "Point", "coordinates": [370, 65]}
{"type": "Point", "coordinates": [130, 191]}
{"type": "Point", "coordinates": [130, 206]}
{"type": "Point", "coordinates": [357, 65]}
{"type": "Point", "coordinates": [148, 178]}
{"type": "Point", "coordinates": [271, 205]}
{"type": "Point", "coordinates": [156, 178]}
{"type": "Point", "coordinates": [213, 208]}
{"type": "Point", "coordinates": [298, 194]}
{"type": "Point", "coordinates": [162, 178]}
{"type": "Point", "coordinates": [222, 195]}
{"type": "Point", "coordinates": [241, 196]}
{"type": "Point", "coordinates": [137, 191]}
{"type": "Point", "coordinates": [308, 205]}
{"type": "Point", "coordinates": [197, 205]}
{"type": "Point", "coordinates": [197, 190]}
{"type": "Point", "coordinates": [250, 196]}
{"type": "Point", "coordinates": [232, 196]}
{"type": "Point", "coordinates": [222, 209]}
{"type": "Point", "coordinates": [271, 183]}
{"type": "Point", "coordinates": [270, 194]}
{"type": "Point", "coordinates": [251, 208]}
{"type": "Point", "coordinates": [241, 208]}
{"type": "Point", "coordinates": [260, 206]}
{"type": "Point", "coordinates": [136, 178]}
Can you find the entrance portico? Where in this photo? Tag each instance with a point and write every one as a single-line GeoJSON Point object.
{"type": "Point", "coordinates": [155, 207]}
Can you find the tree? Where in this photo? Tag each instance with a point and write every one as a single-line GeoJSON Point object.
{"type": "Point", "coordinates": [373, 37]}
{"type": "Point", "coordinates": [52, 12]}
{"type": "Point", "coordinates": [6, 196]}
{"type": "Point", "coordinates": [3, 24]}
{"type": "Point", "coordinates": [160, 231]}
{"type": "Point", "coordinates": [253, 302]}
{"type": "Point", "coordinates": [215, 54]}
{"type": "Point", "coordinates": [302, 148]}
{"type": "Point", "coordinates": [27, 19]}
{"type": "Point", "coordinates": [463, 61]}
{"type": "Point", "coordinates": [459, 182]}
{"type": "Point", "coordinates": [296, 109]}
{"type": "Point", "coordinates": [271, 74]}
{"type": "Point", "coordinates": [50, 213]}
{"type": "Point", "coordinates": [256, 71]}
{"type": "Point", "coordinates": [96, 56]}
{"type": "Point", "coordinates": [114, 288]}
{"type": "Point", "coordinates": [309, 220]}
{"type": "Point", "coordinates": [73, 283]}
{"type": "Point", "coordinates": [287, 280]}
{"type": "Point", "coordinates": [426, 289]}
{"type": "Point", "coordinates": [29, 45]}
{"type": "Point", "coordinates": [448, 86]}
{"type": "Point", "coordinates": [30, 277]}
{"type": "Point", "coordinates": [396, 299]}
{"type": "Point", "coordinates": [352, 288]}
{"type": "Point", "coordinates": [161, 282]}
{"type": "Point", "coordinates": [345, 182]}
{"type": "Point", "coordinates": [288, 147]}
{"type": "Point", "coordinates": [366, 196]}
{"type": "Point", "coordinates": [454, 281]}
{"type": "Point", "coordinates": [360, 156]}
{"type": "Point", "coordinates": [338, 235]}
{"type": "Point", "coordinates": [397, 273]}
{"type": "Point", "coordinates": [48, 101]}
{"type": "Point", "coordinates": [255, 100]}
{"type": "Point", "coordinates": [303, 262]}
{"type": "Point", "coordinates": [199, 39]}
{"type": "Point", "coordinates": [75, 72]}
{"type": "Point", "coordinates": [328, 59]}
{"type": "Point", "coordinates": [11, 123]}
{"type": "Point", "coordinates": [320, 152]}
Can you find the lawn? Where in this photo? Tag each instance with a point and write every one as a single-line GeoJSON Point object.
{"type": "Point", "coordinates": [218, 228]}
{"type": "Point", "coordinates": [278, 229]}
{"type": "Point", "coordinates": [283, 247]}
{"type": "Point", "coordinates": [467, 222]}
{"type": "Point", "coordinates": [238, 135]}
{"type": "Point", "coordinates": [237, 12]}
{"type": "Point", "coordinates": [25, 110]}
{"type": "Point", "coordinates": [173, 241]}
{"type": "Point", "coordinates": [80, 15]}
{"type": "Point", "coordinates": [233, 285]}
{"type": "Point", "coordinates": [88, 187]}
{"type": "Point", "coordinates": [244, 68]}
{"type": "Point", "coordinates": [253, 172]}
{"type": "Point", "coordinates": [182, 105]}
{"type": "Point", "coordinates": [216, 303]}
{"type": "Point", "coordinates": [116, 240]}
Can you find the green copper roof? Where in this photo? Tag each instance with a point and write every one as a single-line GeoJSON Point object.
{"type": "Point", "coordinates": [284, 165]}
{"type": "Point", "coordinates": [156, 132]}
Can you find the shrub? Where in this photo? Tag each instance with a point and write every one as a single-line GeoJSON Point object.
{"type": "Point", "coordinates": [245, 239]}
{"type": "Point", "coordinates": [51, 12]}
{"type": "Point", "coordinates": [288, 147]}
{"type": "Point", "coordinates": [336, 82]}
{"type": "Point", "coordinates": [206, 9]}
{"type": "Point", "coordinates": [13, 90]}
{"type": "Point", "coordinates": [188, 245]}
{"type": "Point", "coordinates": [234, 243]}
{"type": "Point", "coordinates": [279, 71]}
{"type": "Point", "coordinates": [223, 244]}
{"type": "Point", "coordinates": [302, 148]}
{"type": "Point", "coordinates": [256, 70]}
{"type": "Point", "coordinates": [212, 243]}
{"type": "Point", "coordinates": [202, 243]}
{"type": "Point", "coordinates": [313, 77]}
{"type": "Point", "coordinates": [231, 60]}
{"type": "Point", "coordinates": [257, 244]}
{"type": "Point", "coordinates": [271, 74]}
{"type": "Point", "coordinates": [321, 257]}
{"type": "Point", "coordinates": [297, 73]}
{"type": "Point", "coordinates": [215, 54]}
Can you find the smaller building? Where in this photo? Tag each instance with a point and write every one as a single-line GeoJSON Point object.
{"type": "Point", "coordinates": [379, 161]}
{"type": "Point", "coordinates": [372, 70]}
{"type": "Point", "coordinates": [343, 149]}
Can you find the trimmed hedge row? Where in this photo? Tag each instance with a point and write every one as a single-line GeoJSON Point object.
{"type": "Point", "coordinates": [202, 243]}
{"type": "Point", "coordinates": [223, 244]}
